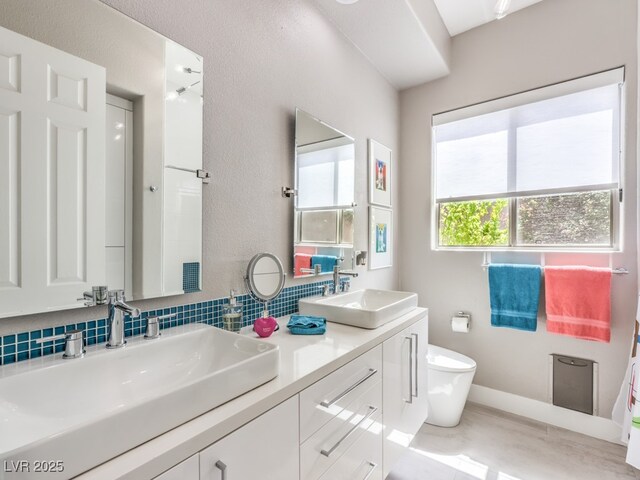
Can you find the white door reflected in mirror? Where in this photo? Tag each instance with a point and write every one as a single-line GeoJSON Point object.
{"type": "Point", "coordinates": [114, 128]}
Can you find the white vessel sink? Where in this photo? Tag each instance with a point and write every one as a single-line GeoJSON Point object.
{"type": "Point", "coordinates": [85, 411]}
{"type": "Point", "coordinates": [362, 308]}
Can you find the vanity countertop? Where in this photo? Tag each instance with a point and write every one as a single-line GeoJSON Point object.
{"type": "Point", "coordinates": [303, 361]}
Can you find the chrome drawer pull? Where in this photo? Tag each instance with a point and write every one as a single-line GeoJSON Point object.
{"type": "Point", "coordinates": [220, 465]}
{"type": "Point", "coordinates": [372, 410]}
{"type": "Point", "coordinates": [410, 399]}
{"type": "Point", "coordinates": [415, 363]}
{"type": "Point", "coordinates": [372, 468]}
{"type": "Point", "coordinates": [328, 403]}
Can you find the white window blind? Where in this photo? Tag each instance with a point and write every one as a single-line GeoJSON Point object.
{"type": "Point", "coordinates": [558, 139]}
{"type": "Point", "coordinates": [325, 175]}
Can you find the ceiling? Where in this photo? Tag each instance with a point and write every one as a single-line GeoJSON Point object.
{"type": "Point", "coordinates": [404, 39]}
{"type": "Point", "coordinates": [462, 15]}
{"type": "Point", "coordinates": [409, 41]}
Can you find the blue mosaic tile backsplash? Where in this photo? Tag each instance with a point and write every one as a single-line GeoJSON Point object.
{"type": "Point", "coordinates": [23, 346]}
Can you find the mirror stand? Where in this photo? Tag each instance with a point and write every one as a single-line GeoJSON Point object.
{"type": "Point", "coordinates": [264, 279]}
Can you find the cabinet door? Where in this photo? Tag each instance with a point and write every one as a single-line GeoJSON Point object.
{"type": "Point", "coordinates": [404, 384]}
{"type": "Point", "coordinates": [265, 449]}
{"type": "Point", "coordinates": [187, 470]}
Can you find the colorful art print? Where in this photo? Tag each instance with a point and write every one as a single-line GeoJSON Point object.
{"type": "Point", "coordinates": [381, 175]}
{"type": "Point", "coordinates": [381, 237]}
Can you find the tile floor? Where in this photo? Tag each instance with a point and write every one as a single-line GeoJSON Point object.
{"type": "Point", "coordinates": [493, 445]}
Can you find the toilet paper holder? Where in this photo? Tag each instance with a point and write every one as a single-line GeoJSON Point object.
{"type": "Point", "coordinates": [461, 322]}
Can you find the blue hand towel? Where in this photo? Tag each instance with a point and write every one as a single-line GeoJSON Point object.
{"type": "Point", "coordinates": [307, 325]}
{"type": "Point", "coordinates": [327, 262]}
{"type": "Point", "coordinates": [514, 291]}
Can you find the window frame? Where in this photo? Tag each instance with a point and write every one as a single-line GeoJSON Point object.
{"type": "Point", "coordinates": [530, 96]}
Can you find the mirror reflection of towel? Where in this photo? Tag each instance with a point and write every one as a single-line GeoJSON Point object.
{"type": "Point", "coordinates": [326, 262]}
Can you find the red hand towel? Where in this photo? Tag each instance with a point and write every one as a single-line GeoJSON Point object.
{"type": "Point", "coordinates": [578, 302]}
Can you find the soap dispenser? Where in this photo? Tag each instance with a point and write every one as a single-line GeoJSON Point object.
{"type": "Point", "coordinates": [232, 314]}
{"type": "Point", "coordinates": [265, 325]}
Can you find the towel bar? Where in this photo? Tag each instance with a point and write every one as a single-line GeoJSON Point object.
{"type": "Point", "coordinates": [614, 271]}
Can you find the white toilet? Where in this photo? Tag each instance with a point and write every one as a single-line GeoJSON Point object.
{"type": "Point", "coordinates": [449, 379]}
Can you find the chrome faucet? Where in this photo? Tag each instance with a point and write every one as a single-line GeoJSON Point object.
{"type": "Point", "coordinates": [336, 277]}
{"type": "Point", "coordinates": [73, 343]}
{"type": "Point", "coordinates": [97, 296]}
{"type": "Point", "coordinates": [115, 322]}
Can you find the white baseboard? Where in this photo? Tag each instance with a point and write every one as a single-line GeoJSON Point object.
{"type": "Point", "coordinates": [593, 426]}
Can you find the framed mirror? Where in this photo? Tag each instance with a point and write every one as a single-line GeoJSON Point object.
{"type": "Point", "coordinates": [100, 157]}
{"type": "Point", "coordinates": [265, 277]}
{"type": "Point", "coordinates": [324, 203]}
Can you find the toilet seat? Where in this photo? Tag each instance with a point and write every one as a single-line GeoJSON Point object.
{"type": "Point", "coordinates": [444, 360]}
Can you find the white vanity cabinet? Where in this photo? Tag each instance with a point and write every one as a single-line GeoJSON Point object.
{"type": "Point", "coordinates": [187, 470]}
{"type": "Point", "coordinates": [352, 424]}
{"type": "Point", "coordinates": [265, 448]}
{"type": "Point", "coordinates": [404, 381]}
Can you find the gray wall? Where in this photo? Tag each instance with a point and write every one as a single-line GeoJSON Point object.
{"type": "Point", "coordinates": [546, 43]}
{"type": "Point", "coordinates": [262, 59]}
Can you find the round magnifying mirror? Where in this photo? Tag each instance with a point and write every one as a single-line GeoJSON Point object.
{"type": "Point", "coordinates": [265, 276]}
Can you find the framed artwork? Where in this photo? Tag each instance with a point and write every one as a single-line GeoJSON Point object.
{"type": "Point", "coordinates": [380, 237]}
{"type": "Point", "coordinates": [379, 174]}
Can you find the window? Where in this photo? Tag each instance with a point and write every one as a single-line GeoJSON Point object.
{"type": "Point", "coordinates": [537, 169]}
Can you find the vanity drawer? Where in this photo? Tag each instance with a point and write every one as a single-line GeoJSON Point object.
{"type": "Point", "coordinates": [325, 447]}
{"type": "Point", "coordinates": [326, 398]}
{"type": "Point", "coordinates": [363, 459]}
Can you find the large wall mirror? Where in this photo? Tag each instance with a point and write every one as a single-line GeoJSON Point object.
{"type": "Point", "coordinates": [324, 203]}
{"type": "Point", "coordinates": [100, 157]}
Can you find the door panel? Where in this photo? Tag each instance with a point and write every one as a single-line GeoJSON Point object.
{"type": "Point", "coordinates": [9, 199]}
{"type": "Point", "coordinates": [66, 216]}
{"type": "Point", "coordinates": [67, 91]}
{"type": "Point", "coordinates": [9, 71]}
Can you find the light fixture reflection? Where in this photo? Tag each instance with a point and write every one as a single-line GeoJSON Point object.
{"type": "Point", "coordinates": [502, 8]}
